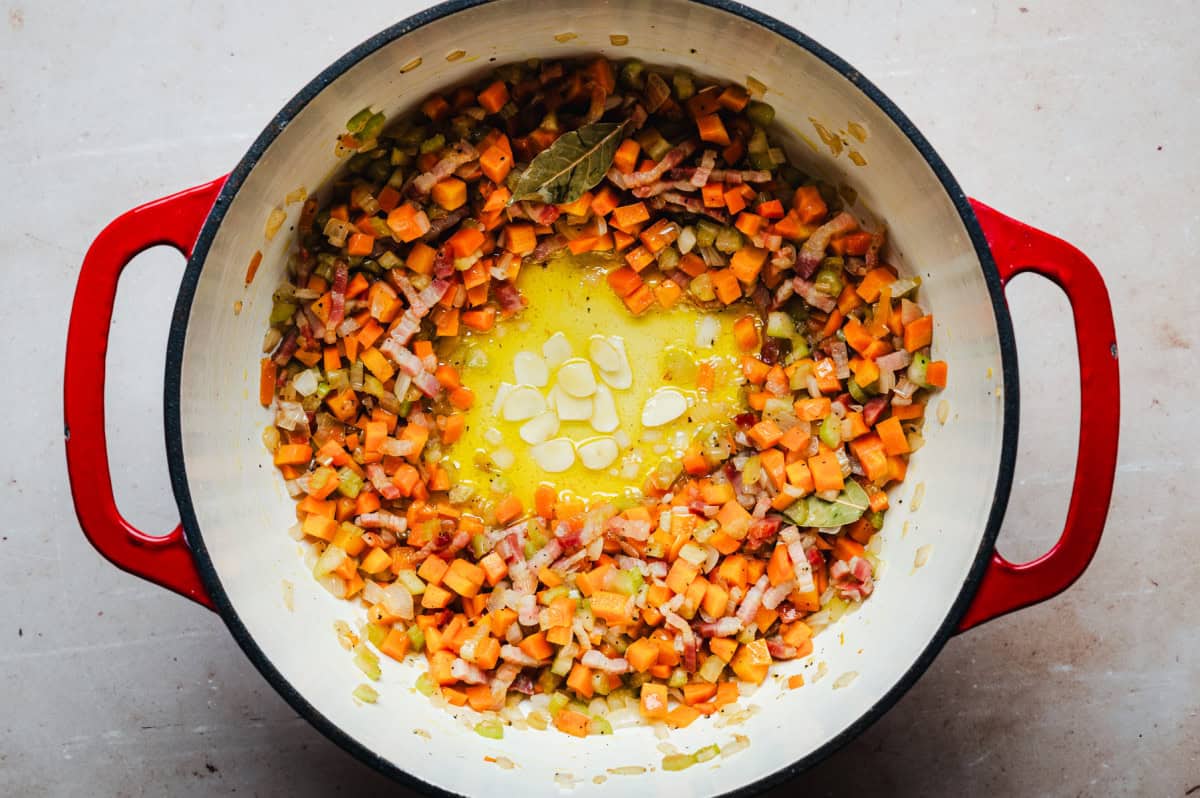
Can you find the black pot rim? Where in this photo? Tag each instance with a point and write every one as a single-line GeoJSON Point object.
{"type": "Point", "coordinates": [237, 177]}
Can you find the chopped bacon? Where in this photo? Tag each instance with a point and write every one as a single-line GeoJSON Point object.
{"type": "Point", "coordinates": [443, 263]}
{"type": "Point", "coordinates": [522, 684]}
{"type": "Point", "coordinates": [409, 363]}
{"type": "Point", "coordinates": [634, 530]}
{"type": "Point", "coordinates": [775, 595]}
{"type": "Point", "coordinates": [467, 672]}
{"type": "Point", "coordinates": [408, 326]}
{"type": "Point", "coordinates": [427, 384]}
{"type": "Point", "coordinates": [387, 489]}
{"type": "Point", "coordinates": [508, 296]}
{"type": "Point", "coordinates": [686, 635]}
{"type": "Point", "coordinates": [432, 294]}
{"type": "Point", "coordinates": [873, 409]}
{"type": "Point", "coordinates": [762, 530]}
{"type": "Point", "coordinates": [808, 290]}
{"type": "Point", "coordinates": [813, 250]}
{"type": "Point", "coordinates": [547, 247]}
{"type": "Point", "coordinates": [753, 600]}
{"type": "Point", "coordinates": [404, 286]}
{"type": "Point", "coordinates": [597, 105]}
{"type": "Point", "coordinates": [443, 223]}
{"type": "Point", "coordinates": [287, 347]}
{"type": "Point", "coordinates": [683, 202]}
{"type": "Point", "coordinates": [853, 579]}
{"type": "Point", "coordinates": [780, 649]}
{"type": "Point", "coordinates": [594, 659]}
{"type": "Point", "coordinates": [674, 157]}
{"type": "Point", "coordinates": [707, 161]}
{"type": "Point", "coordinates": [396, 524]}
{"type": "Point", "coordinates": [540, 213]}
{"type": "Point", "coordinates": [337, 304]}
{"type": "Point", "coordinates": [518, 657]}
{"type": "Point", "coordinates": [722, 627]}
{"type": "Point", "coordinates": [460, 153]}
{"type": "Point", "coordinates": [661, 187]}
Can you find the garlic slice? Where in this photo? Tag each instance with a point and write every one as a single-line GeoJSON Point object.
{"type": "Point", "coordinates": [502, 392]}
{"type": "Point", "coordinates": [556, 349]}
{"type": "Point", "coordinates": [664, 406]}
{"type": "Point", "coordinates": [604, 354]}
{"type": "Point", "coordinates": [620, 378]}
{"type": "Point", "coordinates": [604, 410]}
{"type": "Point", "coordinates": [523, 402]}
{"type": "Point", "coordinates": [570, 408]}
{"type": "Point", "coordinates": [540, 428]}
{"type": "Point", "coordinates": [530, 368]}
{"type": "Point", "coordinates": [575, 377]}
{"type": "Point", "coordinates": [598, 453]}
{"type": "Point", "coordinates": [555, 455]}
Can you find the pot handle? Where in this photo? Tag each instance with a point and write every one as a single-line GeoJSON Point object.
{"type": "Point", "coordinates": [174, 221]}
{"type": "Point", "coordinates": [1019, 248]}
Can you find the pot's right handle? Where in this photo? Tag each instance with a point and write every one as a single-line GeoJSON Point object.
{"type": "Point", "coordinates": [174, 221]}
{"type": "Point", "coordinates": [1018, 248]}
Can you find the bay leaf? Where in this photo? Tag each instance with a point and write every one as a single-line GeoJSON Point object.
{"type": "Point", "coordinates": [574, 163]}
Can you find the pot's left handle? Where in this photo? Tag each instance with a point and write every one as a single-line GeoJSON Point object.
{"type": "Point", "coordinates": [174, 221]}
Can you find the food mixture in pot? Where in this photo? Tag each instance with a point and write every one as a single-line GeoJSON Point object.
{"type": "Point", "coordinates": [588, 395]}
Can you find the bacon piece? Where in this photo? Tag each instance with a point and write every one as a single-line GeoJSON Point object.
{"type": "Point", "coordinates": [878, 239]}
{"type": "Point", "coordinates": [686, 204]}
{"type": "Point", "coordinates": [460, 153]}
{"type": "Point", "coordinates": [661, 187]}
{"type": "Point", "coordinates": [467, 673]}
{"type": "Point", "coordinates": [387, 489]}
{"type": "Point", "coordinates": [395, 524]}
{"type": "Point", "coordinates": [547, 247]}
{"type": "Point", "coordinates": [722, 627]}
{"type": "Point", "coordinates": [508, 296]}
{"type": "Point", "coordinates": [287, 347]}
{"type": "Point", "coordinates": [753, 600]}
{"type": "Point", "coordinates": [443, 223]}
{"type": "Point", "coordinates": [775, 595]}
{"type": "Point", "coordinates": [813, 250]}
{"type": "Point", "coordinates": [337, 303]}
{"type": "Point", "coordinates": [541, 213]}
{"type": "Point", "coordinates": [594, 659]}
{"type": "Point", "coordinates": [780, 649]}
{"type": "Point", "coordinates": [762, 530]}
{"type": "Point", "coordinates": [674, 157]}
{"type": "Point", "coordinates": [518, 657]}
{"type": "Point", "coordinates": [707, 161]}
{"type": "Point", "coordinates": [873, 409]}
{"type": "Point", "coordinates": [808, 290]}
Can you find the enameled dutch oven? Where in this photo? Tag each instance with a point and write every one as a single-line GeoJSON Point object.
{"type": "Point", "coordinates": [230, 552]}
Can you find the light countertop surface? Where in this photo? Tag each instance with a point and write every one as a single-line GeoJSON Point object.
{"type": "Point", "coordinates": [1079, 118]}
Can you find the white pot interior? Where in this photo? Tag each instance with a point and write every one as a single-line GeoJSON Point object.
{"type": "Point", "coordinates": [243, 511]}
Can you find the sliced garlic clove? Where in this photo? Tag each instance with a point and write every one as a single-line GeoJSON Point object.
{"type": "Point", "coordinates": [570, 408]}
{"type": "Point", "coordinates": [529, 368]}
{"type": "Point", "coordinates": [502, 393]}
{"type": "Point", "coordinates": [576, 379]}
{"type": "Point", "coordinates": [664, 406]}
{"type": "Point", "coordinates": [604, 354]}
{"type": "Point", "coordinates": [598, 453]}
{"type": "Point", "coordinates": [621, 378]}
{"type": "Point", "coordinates": [556, 349]}
{"type": "Point", "coordinates": [555, 455]}
{"type": "Point", "coordinates": [708, 328]}
{"type": "Point", "coordinates": [540, 428]}
{"type": "Point", "coordinates": [604, 410]}
{"type": "Point", "coordinates": [523, 402]}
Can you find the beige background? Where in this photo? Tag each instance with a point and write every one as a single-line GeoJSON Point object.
{"type": "Point", "coordinates": [1077, 117]}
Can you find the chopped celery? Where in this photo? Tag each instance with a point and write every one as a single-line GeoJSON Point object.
{"type": "Point", "coordinates": [875, 517]}
{"type": "Point", "coordinates": [551, 594]}
{"type": "Point", "coordinates": [366, 694]}
{"type": "Point", "coordinates": [665, 473]}
{"type": "Point", "coordinates": [281, 312]}
{"type": "Point", "coordinates": [564, 660]}
{"type": "Point", "coordinates": [780, 325]}
{"type": "Point", "coordinates": [685, 87]}
{"type": "Point", "coordinates": [433, 144]}
{"type": "Point", "coordinates": [829, 281]}
{"type": "Point", "coordinates": [831, 431]}
{"type": "Point", "coordinates": [916, 369]}
{"type": "Point", "coordinates": [760, 113]}
{"type": "Point", "coordinates": [708, 752]}
{"type": "Point", "coordinates": [492, 729]}
{"type": "Point", "coordinates": [710, 671]}
{"type": "Point", "coordinates": [367, 662]}
{"type": "Point", "coordinates": [425, 684]}
{"type": "Point", "coordinates": [668, 259]}
{"type": "Point", "coordinates": [800, 348]}
{"type": "Point", "coordinates": [678, 678]}
{"type": "Point", "coordinates": [633, 74]}
{"type": "Point", "coordinates": [600, 683]}
{"type": "Point", "coordinates": [758, 143]}
{"type": "Point", "coordinates": [678, 761]}
{"type": "Point", "coordinates": [558, 703]}
{"type": "Point", "coordinates": [706, 232]}
{"type": "Point", "coordinates": [653, 143]}
{"type": "Point", "coordinates": [548, 681]}
{"type": "Point", "coordinates": [705, 531]}
{"type": "Point", "coordinates": [628, 581]}
{"type": "Point", "coordinates": [412, 583]}
{"type": "Point", "coordinates": [600, 726]}
{"type": "Point", "coordinates": [357, 122]}
{"type": "Point", "coordinates": [702, 288]}
{"type": "Point", "coordinates": [349, 483]}
{"type": "Point", "coordinates": [762, 160]}
{"type": "Point", "coordinates": [389, 260]}
{"type": "Point", "coordinates": [322, 389]}
{"type": "Point", "coordinates": [729, 240]}
{"type": "Point", "coordinates": [856, 392]}
{"type": "Point", "coordinates": [376, 633]}
{"type": "Point", "coordinates": [479, 544]}
{"type": "Point", "coordinates": [416, 638]}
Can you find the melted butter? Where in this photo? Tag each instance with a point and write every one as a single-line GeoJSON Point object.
{"type": "Point", "coordinates": [570, 295]}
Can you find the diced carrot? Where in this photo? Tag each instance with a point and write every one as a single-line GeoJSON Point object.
{"type": "Point", "coordinates": [493, 98]}
{"type": "Point", "coordinates": [465, 242]}
{"type": "Point", "coordinates": [450, 194]}
{"type": "Point", "coordinates": [918, 333]}
{"type": "Point", "coordinates": [779, 567]}
{"type": "Point", "coordinates": [681, 716]}
{"type": "Point", "coordinates": [667, 293]}
{"type": "Point", "coordinates": [751, 662]}
{"type": "Point", "coordinates": [580, 680]}
{"type": "Point", "coordinates": [320, 527]}
{"type": "Point", "coordinates": [723, 647]}
{"type": "Point", "coordinates": [771, 209]}
{"type": "Point", "coordinates": [712, 129]}
{"type": "Point", "coordinates": [360, 244]}
{"type": "Point", "coordinates": [747, 262]}
{"type": "Point", "coordinates": [713, 195]}
{"type": "Point", "coordinates": [480, 320]}
{"type": "Point", "coordinates": [653, 703]}
{"type": "Point", "coordinates": [462, 398]}
{"type": "Point", "coordinates": [809, 205]}
{"type": "Point", "coordinates": [571, 722]}
{"type": "Point", "coordinates": [627, 216]}
{"type": "Point", "coordinates": [639, 258]}
{"type": "Point", "coordinates": [873, 282]}
{"type": "Point", "coordinates": [266, 381]}
{"type": "Point", "coordinates": [535, 645]}
{"type": "Point", "coordinates": [765, 434]}
{"type": "Point", "coordinates": [799, 476]}
{"type": "Point", "coordinates": [639, 300]}
{"type": "Point", "coordinates": [495, 162]}
{"type": "Point", "coordinates": [748, 223]}
{"type": "Point", "coordinates": [463, 577]}
{"type": "Point", "coordinates": [725, 283]}
{"type": "Point", "coordinates": [735, 200]}
{"type": "Point", "coordinates": [733, 519]}
{"type": "Point", "coordinates": [293, 454]}
{"type": "Point", "coordinates": [520, 239]}
{"type": "Point", "coordinates": [610, 607]}
{"type": "Point", "coordinates": [826, 473]}
{"type": "Point", "coordinates": [435, 107]}
{"type": "Point", "coordinates": [892, 435]}
{"type": "Point", "coordinates": [508, 509]}
{"type": "Point", "coordinates": [626, 157]}
{"type": "Point", "coordinates": [396, 644]}
{"type": "Point", "coordinates": [845, 548]}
